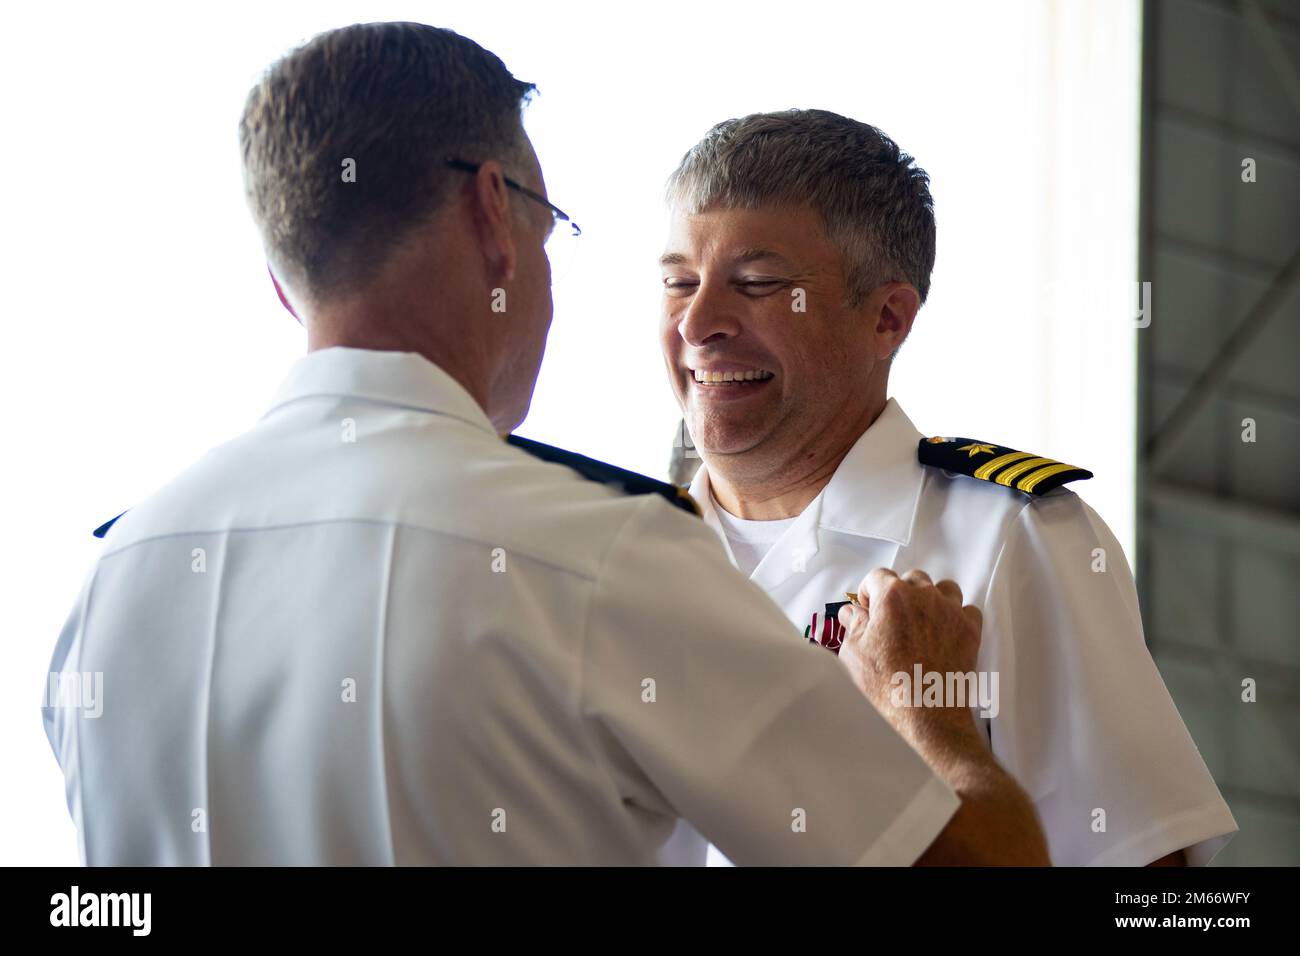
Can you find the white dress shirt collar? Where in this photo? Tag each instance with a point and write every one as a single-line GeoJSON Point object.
{"type": "Point", "coordinates": [405, 379]}
{"type": "Point", "coordinates": [874, 491]}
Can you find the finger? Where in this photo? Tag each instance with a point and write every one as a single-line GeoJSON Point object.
{"type": "Point", "coordinates": [917, 576]}
{"type": "Point", "coordinates": [848, 615]}
{"type": "Point", "coordinates": [975, 616]}
{"type": "Point", "coordinates": [874, 584]}
{"type": "Point", "coordinates": [950, 589]}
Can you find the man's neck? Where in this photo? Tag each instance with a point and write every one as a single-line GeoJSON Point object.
{"type": "Point", "coordinates": [364, 332]}
{"type": "Point", "coordinates": [403, 309]}
{"type": "Point", "coordinates": [785, 489]}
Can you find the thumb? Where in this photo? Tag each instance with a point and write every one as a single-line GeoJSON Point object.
{"type": "Point", "coordinates": [848, 615]}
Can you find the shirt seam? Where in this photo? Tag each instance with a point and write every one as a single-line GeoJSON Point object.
{"type": "Point", "coordinates": [598, 752]}
{"type": "Point", "coordinates": [483, 426]}
{"type": "Point", "coordinates": [1013, 527]}
{"type": "Point", "coordinates": [381, 672]}
{"type": "Point", "coordinates": [207, 700]}
{"type": "Point", "coordinates": [462, 536]}
{"type": "Point", "coordinates": [1007, 631]}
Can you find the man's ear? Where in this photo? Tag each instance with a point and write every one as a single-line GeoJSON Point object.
{"type": "Point", "coordinates": [284, 300]}
{"type": "Point", "coordinates": [896, 305]}
{"type": "Point", "coordinates": [492, 219]}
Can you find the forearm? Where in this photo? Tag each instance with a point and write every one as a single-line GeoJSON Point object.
{"type": "Point", "coordinates": [900, 624]}
{"type": "Point", "coordinates": [996, 824]}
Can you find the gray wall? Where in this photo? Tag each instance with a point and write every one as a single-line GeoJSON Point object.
{"type": "Point", "coordinates": [1219, 518]}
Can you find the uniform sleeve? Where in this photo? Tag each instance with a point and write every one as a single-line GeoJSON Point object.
{"type": "Point", "coordinates": [1086, 724]}
{"type": "Point", "coordinates": [708, 705]}
{"type": "Point", "coordinates": [58, 713]}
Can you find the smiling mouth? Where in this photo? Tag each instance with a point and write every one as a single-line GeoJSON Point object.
{"type": "Point", "coordinates": [730, 379]}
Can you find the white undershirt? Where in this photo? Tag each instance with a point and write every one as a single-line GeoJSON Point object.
{"type": "Point", "coordinates": [750, 540]}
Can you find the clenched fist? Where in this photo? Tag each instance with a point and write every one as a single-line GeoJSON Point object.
{"type": "Point", "coordinates": [902, 622]}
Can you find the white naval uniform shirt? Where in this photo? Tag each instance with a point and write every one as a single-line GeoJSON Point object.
{"type": "Point", "coordinates": [424, 645]}
{"type": "Point", "coordinates": [1084, 722]}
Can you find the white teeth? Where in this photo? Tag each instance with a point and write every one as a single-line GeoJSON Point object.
{"type": "Point", "coordinates": [722, 378]}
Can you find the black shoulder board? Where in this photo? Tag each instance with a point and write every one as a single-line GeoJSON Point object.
{"type": "Point", "coordinates": [590, 468]}
{"type": "Point", "coordinates": [1020, 470]}
{"type": "Point", "coordinates": [103, 528]}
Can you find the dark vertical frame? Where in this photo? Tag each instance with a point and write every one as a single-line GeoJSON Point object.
{"type": "Point", "coordinates": [1145, 265]}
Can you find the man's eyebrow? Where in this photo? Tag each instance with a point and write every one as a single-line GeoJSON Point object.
{"type": "Point", "coordinates": [742, 257]}
{"type": "Point", "coordinates": [754, 255]}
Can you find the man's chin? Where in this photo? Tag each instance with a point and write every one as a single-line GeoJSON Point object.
{"type": "Point", "coordinates": [714, 440]}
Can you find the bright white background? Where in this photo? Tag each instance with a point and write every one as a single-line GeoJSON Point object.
{"type": "Point", "coordinates": [142, 328]}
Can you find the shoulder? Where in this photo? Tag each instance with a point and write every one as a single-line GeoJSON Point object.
{"type": "Point", "coordinates": [653, 562]}
{"type": "Point", "coordinates": [1002, 501]}
{"type": "Point", "coordinates": [629, 482]}
{"type": "Point", "coordinates": [535, 500]}
{"type": "Point", "coordinates": [599, 513]}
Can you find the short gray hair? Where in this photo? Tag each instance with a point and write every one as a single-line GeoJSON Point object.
{"type": "Point", "coordinates": [397, 98]}
{"type": "Point", "coordinates": [873, 199]}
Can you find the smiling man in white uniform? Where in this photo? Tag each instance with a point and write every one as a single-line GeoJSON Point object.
{"type": "Point", "coordinates": [799, 252]}
{"type": "Point", "coordinates": [370, 631]}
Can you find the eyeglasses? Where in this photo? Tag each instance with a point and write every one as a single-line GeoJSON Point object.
{"type": "Point", "coordinates": [561, 244]}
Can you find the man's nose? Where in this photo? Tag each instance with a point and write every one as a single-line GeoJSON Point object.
{"type": "Point", "coordinates": [708, 315]}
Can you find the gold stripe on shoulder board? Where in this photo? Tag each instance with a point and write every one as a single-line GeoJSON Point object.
{"type": "Point", "coordinates": [1028, 483]}
{"type": "Point", "coordinates": [1020, 467]}
{"type": "Point", "coordinates": [984, 471]}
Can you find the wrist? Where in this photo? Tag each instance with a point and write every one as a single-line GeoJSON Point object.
{"type": "Point", "coordinates": [952, 739]}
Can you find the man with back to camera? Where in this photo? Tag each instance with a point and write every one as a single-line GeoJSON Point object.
{"type": "Point", "coordinates": [370, 631]}
{"type": "Point", "coordinates": [799, 251]}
